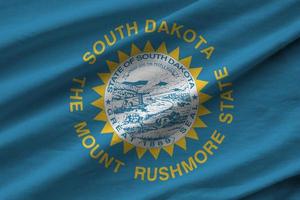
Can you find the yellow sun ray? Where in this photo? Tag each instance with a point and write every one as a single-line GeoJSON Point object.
{"type": "Point", "coordinates": [186, 61]}
{"type": "Point", "coordinates": [134, 50]}
{"type": "Point", "coordinates": [162, 48]}
{"type": "Point", "coordinates": [122, 56]}
{"type": "Point", "coordinates": [148, 47]}
{"type": "Point", "coordinates": [140, 152]}
{"type": "Point", "coordinates": [195, 72]}
{"type": "Point", "coordinates": [192, 134]}
{"type": "Point", "coordinates": [203, 97]}
{"type": "Point", "coordinates": [201, 84]}
{"type": "Point", "coordinates": [199, 123]}
{"type": "Point", "coordinates": [155, 152]}
{"type": "Point", "coordinates": [169, 149]}
{"type": "Point", "coordinates": [181, 143]}
{"type": "Point", "coordinates": [115, 139]}
{"type": "Point", "coordinates": [99, 103]}
{"type": "Point", "coordinates": [175, 53]}
{"type": "Point", "coordinates": [203, 111]}
{"type": "Point", "coordinates": [107, 128]}
{"type": "Point", "coordinates": [101, 116]}
{"type": "Point", "coordinates": [100, 90]}
{"type": "Point", "coordinates": [112, 65]}
{"type": "Point", "coordinates": [104, 77]}
{"type": "Point", "coordinates": [127, 147]}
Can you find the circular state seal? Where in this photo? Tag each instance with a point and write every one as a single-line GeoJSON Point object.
{"type": "Point", "coordinates": [151, 100]}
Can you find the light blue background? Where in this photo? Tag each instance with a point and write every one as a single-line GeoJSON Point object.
{"type": "Point", "coordinates": [41, 44]}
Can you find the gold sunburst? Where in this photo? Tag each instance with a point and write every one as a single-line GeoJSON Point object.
{"type": "Point", "coordinates": [108, 129]}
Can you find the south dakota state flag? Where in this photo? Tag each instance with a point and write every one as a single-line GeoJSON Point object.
{"type": "Point", "coordinates": [152, 99]}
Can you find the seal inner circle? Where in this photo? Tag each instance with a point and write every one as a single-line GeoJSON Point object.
{"type": "Point", "coordinates": [151, 100]}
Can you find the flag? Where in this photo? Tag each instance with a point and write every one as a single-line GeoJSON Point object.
{"type": "Point", "coordinates": [149, 99]}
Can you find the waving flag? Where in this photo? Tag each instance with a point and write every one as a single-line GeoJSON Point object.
{"type": "Point", "coordinates": [150, 99]}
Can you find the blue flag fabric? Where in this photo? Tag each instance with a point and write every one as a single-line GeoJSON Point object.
{"type": "Point", "coordinates": [150, 99]}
